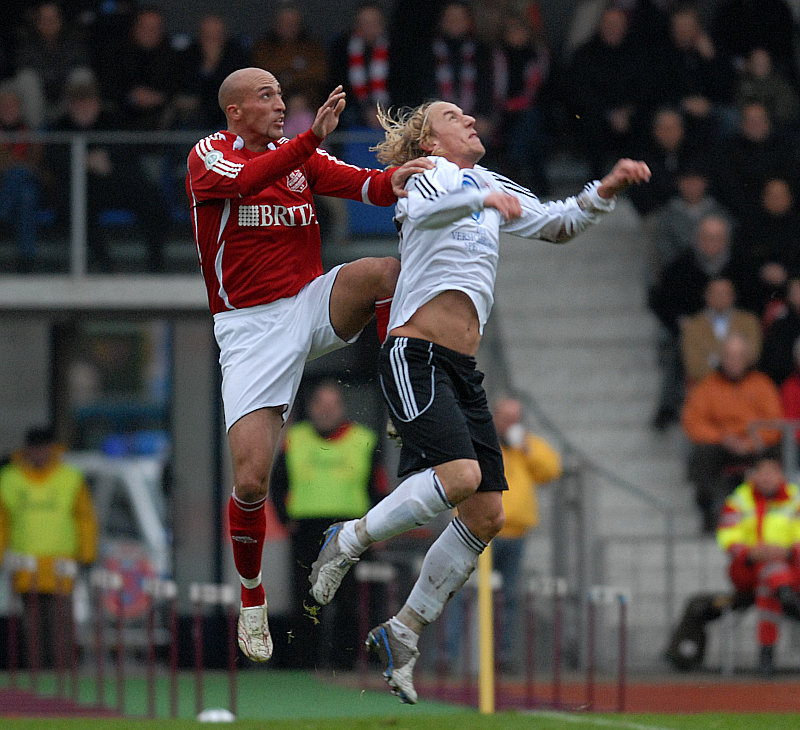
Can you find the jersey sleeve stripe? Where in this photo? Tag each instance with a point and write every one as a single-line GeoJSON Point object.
{"type": "Point", "coordinates": [231, 167]}
{"type": "Point", "coordinates": [337, 161]}
{"type": "Point", "coordinates": [365, 192]}
{"type": "Point", "coordinates": [511, 186]}
{"type": "Point", "coordinates": [426, 189]}
{"type": "Point", "coordinates": [195, 224]}
{"type": "Point", "coordinates": [204, 146]}
{"type": "Point", "coordinates": [222, 170]}
{"type": "Point", "coordinates": [221, 166]}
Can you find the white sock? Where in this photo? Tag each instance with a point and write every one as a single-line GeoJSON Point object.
{"type": "Point", "coordinates": [414, 502]}
{"type": "Point", "coordinates": [408, 636]}
{"type": "Point", "coordinates": [348, 540]}
{"type": "Point", "coordinates": [448, 564]}
{"type": "Point", "coordinates": [251, 582]}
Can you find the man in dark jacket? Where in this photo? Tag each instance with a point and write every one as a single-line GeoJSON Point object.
{"type": "Point", "coordinates": [679, 293]}
{"type": "Point", "coordinates": [114, 178]}
{"type": "Point", "coordinates": [329, 469]}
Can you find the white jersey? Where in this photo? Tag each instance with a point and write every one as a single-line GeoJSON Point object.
{"type": "Point", "coordinates": [449, 241]}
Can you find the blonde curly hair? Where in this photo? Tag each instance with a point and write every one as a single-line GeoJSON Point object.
{"type": "Point", "coordinates": [406, 130]}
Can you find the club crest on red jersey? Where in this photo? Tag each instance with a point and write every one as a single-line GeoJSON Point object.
{"type": "Point", "coordinates": [296, 181]}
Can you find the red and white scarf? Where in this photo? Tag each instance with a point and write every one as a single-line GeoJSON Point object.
{"type": "Point", "coordinates": [368, 81]}
{"type": "Point", "coordinates": [445, 76]}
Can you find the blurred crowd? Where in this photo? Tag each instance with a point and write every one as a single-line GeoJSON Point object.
{"type": "Point", "coordinates": [707, 93]}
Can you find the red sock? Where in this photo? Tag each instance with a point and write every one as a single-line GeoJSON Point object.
{"type": "Point", "coordinates": [248, 526]}
{"type": "Point", "coordinates": [382, 308]}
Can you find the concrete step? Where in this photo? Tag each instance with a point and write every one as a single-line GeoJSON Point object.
{"type": "Point", "coordinates": [612, 359]}
{"type": "Point", "coordinates": [585, 410]}
{"type": "Point", "coordinates": [589, 326]}
{"type": "Point", "coordinates": [578, 338]}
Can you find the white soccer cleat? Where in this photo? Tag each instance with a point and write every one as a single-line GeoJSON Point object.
{"type": "Point", "coordinates": [398, 661]}
{"type": "Point", "coordinates": [253, 630]}
{"type": "Point", "coordinates": [330, 567]}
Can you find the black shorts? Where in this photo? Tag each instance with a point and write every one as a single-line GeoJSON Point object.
{"type": "Point", "coordinates": [439, 408]}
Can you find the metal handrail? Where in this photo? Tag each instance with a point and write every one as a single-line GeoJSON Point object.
{"type": "Point", "coordinates": [583, 466]}
{"type": "Point", "coordinates": [79, 143]}
{"type": "Point", "coordinates": [789, 446]}
{"type": "Point", "coordinates": [175, 136]}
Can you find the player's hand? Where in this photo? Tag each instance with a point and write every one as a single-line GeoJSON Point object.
{"type": "Point", "coordinates": [328, 114]}
{"type": "Point", "coordinates": [401, 174]}
{"type": "Point", "coordinates": [507, 205]}
{"type": "Point", "coordinates": [626, 172]}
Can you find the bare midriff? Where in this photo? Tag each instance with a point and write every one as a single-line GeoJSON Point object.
{"type": "Point", "coordinates": [449, 320]}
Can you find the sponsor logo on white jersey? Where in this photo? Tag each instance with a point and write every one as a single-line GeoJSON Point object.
{"type": "Point", "coordinates": [470, 182]}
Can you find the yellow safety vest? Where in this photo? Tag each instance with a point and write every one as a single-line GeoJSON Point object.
{"type": "Point", "coordinates": [328, 477]}
{"type": "Point", "coordinates": [779, 522]}
{"type": "Point", "coordinates": [42, 516]}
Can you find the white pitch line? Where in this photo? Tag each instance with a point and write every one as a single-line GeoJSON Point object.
{"type": "Point", "coordinates": [599, 721]}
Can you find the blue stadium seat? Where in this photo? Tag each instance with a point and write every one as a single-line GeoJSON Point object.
{"type": "Point", "coordinates": [366, 220]}
{"type": "Point", "coordinates": [117, 217]}
{"type": "Point", "coordinates": [45, 217]}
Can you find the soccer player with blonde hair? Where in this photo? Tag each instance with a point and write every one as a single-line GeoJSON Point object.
{"type": "Point", "coordinates": [450, 225]}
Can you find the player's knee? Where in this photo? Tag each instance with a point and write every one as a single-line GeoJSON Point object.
{"type": "Point", "coordinates": [494, 523]}
{"type": "Point", "coordinates": [460, 479]}
{"type": "Point", "coordinates": [486, 522]}
{"type": "Point", "coordinates": [250, 488]}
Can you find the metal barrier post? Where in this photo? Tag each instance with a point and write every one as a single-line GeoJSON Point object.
{"type": "Point", "coordinates": [173, 656]}
{"type": "Point", "coordinates": [591, 618]}
{"type": "Point", "coordinates": [78, 195]}
{"type": "Point", "coordinates": [556, 589]}
{"type": "Point", "coordinates": [608, 596]}
{"type": "Point", "coordinates": [66, 572]}
{"type": "Point", "coordinates": [622, 598]}
{"type": "Point", "coordinates": [558, 637]}
{"type": "Point", "coordinates": [212, 594]}
{"type": "Point", "coordinates": [230, 600]}
{"type": "Point", "coordinates": [16, 562]}
{"type": "Point", "coordinates": [196, 593]}
{"type": "Point", "coordinates": [101, 582]}
{"type": "Point", "coordinates": [120, 649]}
{"type": "Point", "coordinates": [530, 646]}
{"type": "Point", "coordinates": [160, 592]}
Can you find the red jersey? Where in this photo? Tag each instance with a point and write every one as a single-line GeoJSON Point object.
{"type": "Point", "coordinates": [253, 215]}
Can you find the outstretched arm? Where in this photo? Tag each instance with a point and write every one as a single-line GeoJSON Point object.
{"type": "Point", "coordinates": [328, 114]}
{"type": "Point", "coordinates": [626, 172]}
{"type": "Point", "coordinates": [561, 220]}
{"type": "Point", "coordinates": [264, 170]}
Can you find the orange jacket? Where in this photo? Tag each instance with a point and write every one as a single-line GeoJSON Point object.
{"type": "Point", "coordinates": [718, 406]}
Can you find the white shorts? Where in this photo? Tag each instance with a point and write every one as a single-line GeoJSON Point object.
{"type": "Point", "coordinates": [263, 349]}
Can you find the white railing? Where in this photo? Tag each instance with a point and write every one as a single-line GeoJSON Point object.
{"type": "Point", "coordinates": [177, 143]}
